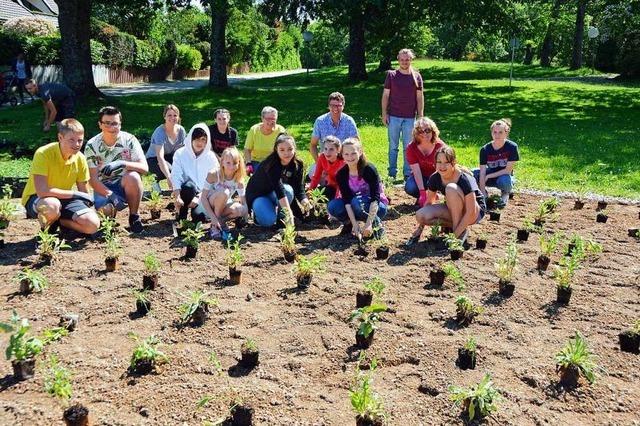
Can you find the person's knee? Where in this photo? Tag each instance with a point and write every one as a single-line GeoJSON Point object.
{"type": "Point", "coordinates": [131, 179]}
{"type": "Point", "coordinates": [49, 209]}
{"type": "Point", "coordinates": [90, 222]}
{"type": "Point", "coordinates": [504, 183]}
{"type": "Point", "coordinates": [336, 208]}
{"type": "Point", "coordinates": [411, 188]}
{"type": "Point", "coordinates": [288, 190]}
{"type": "Point", "coordinates": [264, 212]}
{"type": "Point", "coordinates": [451, 189]}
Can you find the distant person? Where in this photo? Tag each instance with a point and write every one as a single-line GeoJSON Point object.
{"type": "Point", "coordinates": [402, 101]}
{"type": "Point", "coordinates": [333, 123]}
{"type": "Point", "coordinates": [116, 161]}
{"type": "Point", "coordinates": [223, 136]}
{"type": "Point", "coordinates": [58, 101]}
{"type": "Point", "coordinates": [261, 138]}
{"type": "Point", "coordinates": [56, 168]}
{"type": "Point", "coordinates": [421, 156]}
{"type": "Point", "coordinates": [191, 165]}
{"type": "Point", "coordinates": [497, 159]}
{"type": "Point", "coordinates": [22, 70]}
{"type": "Point", "coordinates": [165, 141]}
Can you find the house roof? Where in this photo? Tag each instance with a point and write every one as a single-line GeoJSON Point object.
{"type": "Point", "coordinates": [10, 9]}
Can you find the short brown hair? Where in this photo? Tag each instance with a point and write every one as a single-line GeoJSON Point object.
{"type": "Point", "coordinates": [69, 125]}
{"type": "Point", "coordinates": [336, 96]}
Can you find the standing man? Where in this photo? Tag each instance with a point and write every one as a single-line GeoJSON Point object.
{"type": "Point", "coordinates": [58, 101]}
{"type": "Point", "coordinates": [402, 101]}
{"type": "Point", "coordinates": [116, 161]}
{"type": "Point", "coordinates": [333, 123]}
{"type": "Point", "coordinates": [56, 168]}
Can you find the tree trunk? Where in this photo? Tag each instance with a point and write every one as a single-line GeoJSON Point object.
{"type": "Point", "coordinates": [73, 20]}
{"type": "Point", "coordinates": [357, 63]}
{"type": "Point", "coordinates": [578, 37]}
{"type": "Point", "coordinates": [385, 64]}
{"type": "Point", "coordinates": [547, 44]}
{"type": "Point", "coordinates": [528, 54]}
{"type": "Point", "coordinates": [219, 16]}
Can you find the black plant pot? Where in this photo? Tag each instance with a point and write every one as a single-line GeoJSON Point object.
{"type": "Point", "coordinates": [304, 281]}
{"type": "Point", "coordinates": [601, 205]}
{"type": "Point", "coordinates": [235, 276]}
{"type": "Point", "coordinates": [69, 321]}
{"type": "Point", "coordinates": [569, 377]}
{"type": "Point", "coordinates": [632, 232]}
{"type": "Point", "coordinates": [563, 295]}
{"type": "Point", "coordinates": [363, 298]}
{"type": "Point", "coordinates": [382, 253]}
{"type": "Point", "coordinates": [364, 342]}
{"type": "Point", "coordinates": [25, 369]}
{"type": "Point", "coordinates": [149, 282]}
{"type": "Point", "coordinates": [629, 342]}
{"type": "Point", "coordinates": [466, 359]}
{"type": "Point", "coordinates": [249, 359]}
{"type": "Point", "coordinates": [543, 262]}
{"type": "Point", "coordinates": [155, 214]}
{"type": "Point", "coordinates": [200, 315]}
{"type": "Point", "coordinates": [523, 235]}
{"type": "Point", "coordinates": [456, 254]}
{"type": "Point", "coordinates": [494, 216]}
{"type": "Point", "coordinates": [25, 287]}
{"type": "Point", "coordinates": [578, 205]}
{"type": "Point", "coordinates": [602, 218]}
{"type": "Point", "coordinates": [290, 256]}
{"type": "Point", "coordinates": [437, 278]}
{"type": "Point", "coordinates": [242, 415]}
{"type": "Point", "coordinates": [144, 366]}
{"type": "Point", "coordinates": [143, 308]}
{"type": "Point", "coordinates": [76, 415]}
{"type": "Point", "coordinates": [506, 289]}
{"type": "Point", "coordinates": [191, 252]}
{"type": "Point", "coordinates": [570, 248]}
{"type": "Point", "coordinates": [111, 264]}
{"type": "Point", "coordinates": [539, 223]}
{"type": "Point", "coordinates": [481, 244]}
{"type": "Point", "coordinates": [367, 421]}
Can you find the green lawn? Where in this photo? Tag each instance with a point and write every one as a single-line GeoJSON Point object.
{"type": "Point", "coordinates": [572, 135]}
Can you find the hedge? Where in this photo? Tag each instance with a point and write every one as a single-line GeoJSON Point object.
{"type": "Point", "coordinates": [188, 58]}
{"type": "Point", "coordinates": [147, 54]}
{"type": "Point", "coordinates": [10, 45]}
{"type": "Point", "coordinates": [204, 47]}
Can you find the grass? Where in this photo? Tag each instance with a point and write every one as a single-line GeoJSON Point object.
{"type": "Point", "coordinates": [572, 135]}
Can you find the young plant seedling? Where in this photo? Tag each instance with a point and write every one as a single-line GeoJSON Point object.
{"type": "Point", "coordinates": [564, 274]}
{"type": "Point", "coordinates": [191, 239]}
{"type": "Point", "coordinates": [31, 280]}
{"type": "Point", "coordinates": [112, 252]}
{"type": "Point", "coordinates": [467, 355]}
{"type": "Point", "coordinates": [380, 243]}
{"type": "Point", "coordinates": [288, 242]}
{"type": "Point", "coordinates": [22, 348]}
{"type": "Point", "coordinates": [196, 309]}
{"type": "Point", "coordinates": [630, 339]}
{"type": "Point", "coordinates": [575, 360]}
{"type": "Point", "coordinates": [53, 334]}
{"type": "Point", "coordinates": [372, 289]}
{"type": "Point", "coordinates": [49, 246]}
{"type": "Point", "coordinates": [365, 402]}
{"type": "Point", "coordinates": [108, 226]}
{"type": "Point", "coordinates": [548, 245]}
{"type": "Point", "coordinates": [481, 241]}
{"type": "Point", "coordinates": [466, 311]}
{"type": "Point", "coordinates": [146, 355]}
{"type": "Point", "coordinates": [155, 203]}
{"type": "Point", "coordinates": [494, 202]}
{"type": "Point", "coordinates": [151, 268]}
{"type": "Point", "coordinates": [455, 246]}
{"type": "Point", "coordinates": [478, 401]}
{"type": "Point", "coordinates": [235, 258]}
{"type": "Point", "coordinates": [602, 216]}
{"type": "Point", "coordinates": [250, 353]}
{"type": "Point", "coordinates": [143, 303]}
{"type": "Point", "coordinates": [453, 274]}
{"type": "Point", "coordinates": [318, 201]}
{"type": "Point", "coordinates": [506, 267]}
{"type": "Point", "coordinates": [368, 318]}
{"type": "Point", "coordinates": [305, 267]}
{"type": "Point", "coordinates": [8, 209]}
{"type": "Point", "coordinates": [525, 229]}
{"type": "Point", "coordinates": [57, 380]}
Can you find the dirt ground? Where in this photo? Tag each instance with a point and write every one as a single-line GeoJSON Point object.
{"type": "Point", "coordinates": [307, 353]}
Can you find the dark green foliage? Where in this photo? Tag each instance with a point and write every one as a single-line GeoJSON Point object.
{"type": "Point", "coordinates": [10, 45]}
{"type": "Point", "coordinates": [204, 47]}
{"type": "Point", "coordinates": [188, 57]}
{"type": "Point", "coordinates": [147, 54]}
{"type": "Point", "coordinates": [44, 50]}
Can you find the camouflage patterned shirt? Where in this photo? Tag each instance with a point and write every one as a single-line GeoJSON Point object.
{"type": "Point", "coordinates": [99, 154]}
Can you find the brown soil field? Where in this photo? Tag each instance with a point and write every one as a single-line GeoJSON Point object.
{"type": "Point", "coordinates": [307, 346]}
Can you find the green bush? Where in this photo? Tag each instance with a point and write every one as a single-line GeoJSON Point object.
{"type": "Point", "coordinates": [98, 52]}
{"type": "Point", "coordinates": [147, 54]}
{"type": "Point", "coordinates": [629, 59]}
{"type": "Point", "coordinates": [44, 50]}
{"type": "Point", "coordinates": [121, 50]}
{"type": "Point", "coordinates": [279, 52]}
{"type": "Point", "coordinates": [10, 45]}
{"type": "Point", "coordinates": [188, 58]}
{"type": "Point", "coordinates": [204, 47]}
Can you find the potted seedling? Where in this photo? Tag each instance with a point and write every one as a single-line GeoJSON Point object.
{"type": "Point", "coordinates": [436, 277]}
{"type": "Point", "coordinates": [494, 201]}
{"type": "Point", "coordinates": [31, 281]}
{"type": "Point", "coordinates": [506, 268]}
{"type": "Point", "coordinates": [155, 203]}
{"type": "Point", "coordinates": [288, 242]}
{"type": "Point", "coordinates": [8, 209]}
{"type": "Point", "coordinates": [372, 288]}
{"type": "Point", "coordinates": [22, 349]}
{"type": "Point", "coordinates": [634, 232]}
{"type": "Point", "coordinates": [481, 241]}
{"type": "Point", "coordinates": [191, 239]}
{"type": "Point", "coordinates": [602, 216]}
{"type": "Point", "coordinates": [467, 355]}
{"type": "Point", "coordinates": [76, 415]}
{"type": "Point", "coordinates": [368, 317]}
{"type": "Point", "coordinates": [455, 246]}
{"type": "Point", "coordinates": [563, 275]}
{"type": "Point", "coordinates": [143, 304]}
{"type": "Point", "coordinates": [146, 355]}
{"type": "Point", "coordinates": [249, 353]}
{"type": "Point", "coordinates": [575, 361]}
{"type": "Point", "coordinates": [526, 228]}
{"type": "Point", "coordinates": [548, 245]}
{"type": "Point", "coordinates": [113, 250]}
{"type": "Point", "coordinates": [234, 260]}
{"type": "Point", "coordinates": [630, 339]}
{"type": "Point", "coordinates": [478, 401]}
{"type": "Point", "coordinates": [241, 413]}
{"type": "Point", "coordinates": [381, 244]}
{"type": "Point", "coordinates": [466, 311]}
{"type": "Point", "coordinates": [49, 246]}
{"type": "Point", "coordinates": [364, 401]}
{"type": "Point", "coordinates": [602, 204]}
{"type": "Point", "coordinates": [151, 268]}
{"type": "Point", "coordinates": [494, 215]}
{"type": "Point", "coordinates": [452, 274]}
{"type": "Point", "coordinates": [318, 201]}
{"type": "Point", "coordinates": [196, 309]}
{"type": "Point", "coordinates": [305, 267]}
{"type": "Point", "coordinates": [434, 233]}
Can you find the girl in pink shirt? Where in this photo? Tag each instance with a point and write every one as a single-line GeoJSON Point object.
{"type": "Point", "coordinates": [329, 162]}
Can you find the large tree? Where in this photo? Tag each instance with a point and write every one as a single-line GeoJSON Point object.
{"type": "Point", "coordinates": [73, 20]}
{"type": "Point", "coordinates": [547, 44]}
{"type": "Point", "coordinates": [578, 37]}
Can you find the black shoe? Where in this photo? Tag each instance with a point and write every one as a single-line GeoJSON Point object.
{"type": "Point", "coordinates": [135, 225]}
{"type": "Point", "coordinates": [346, 229]}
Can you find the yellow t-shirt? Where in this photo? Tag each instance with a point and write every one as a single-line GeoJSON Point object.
{"type": "Point", "coordinates": [261, 145]}
{"type": "Point", "coordinates": [48, 161]}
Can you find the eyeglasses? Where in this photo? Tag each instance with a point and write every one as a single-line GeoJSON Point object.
{"type": "Point", "coordinates": [111, 123]}
{"type": "Point", "coordinates": [423, 131]}
{"type": "Point", "coordinates": [336, 105]}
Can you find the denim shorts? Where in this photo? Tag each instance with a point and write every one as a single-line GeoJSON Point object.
{"type": "Point", "coordinates": [116, 188]}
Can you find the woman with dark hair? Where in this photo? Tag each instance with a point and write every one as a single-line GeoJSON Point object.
{"type": "Point", "coordinates": [274, 185]}
{"type": "Point", "coordinates": [465, 204]}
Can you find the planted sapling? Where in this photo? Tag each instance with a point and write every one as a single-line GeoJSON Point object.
{"type": "Point", "coordinates": [478, 401]}
{"type": "Point", "coordinates": [602, 216]}
{"type": "Point", "coordinates": [434, 231]}
{"type": "Point", "coordinates": [525, 229]}
{"type": "Point", "coordinates": [467, 355]}
{"type": "Point", "coordinates": [372, 289]}
{"type": "Point", "coordinates": [151, 268]}
{"type": "Point", "coordinates": [53, 334]}
{"type": "Point", "coordinates": [234, 260]}
{"type": "Point", "coordinates": [196, 309]}
{"type": "Point", "coordinates": [453, 274]}
{"type": "Point", "coordinates": [380, 242]}
{"type": "Point", "coordinates": [506, 267]}
{"type": "Point", "coordinates": [31, 281]}
{"type": "Point", "coordinates": [112, 252]}
{"type": "Point", "coordinates": [630, 339]}
{"type": "Point", "coordinates": [494, 202]}
{"type": "Point", "coordinates": [57, 379]}
{"type": "Point", "coordinates": [575, 360]}
{"type": "Point", "coordinates": [305, 267]}
{"type": "Point", "coordinates": [146, 355]}
{"type": "Point", "coordinates": [466, 310]}
{"type": "Point", "coordinates": [288, 242]}
{"type": "Point", "coordinates": [7, 211]}
{"type": "Point", "coordinates": [481, 241]}
{"type": "Point", "coordinates": [455, 246]}
{"type": "Point", "coordinates": [22, 348]}
{"type": "Point", "coordinates": [548, 245]}
{"type": "Point", "coordinates": [49, 246]}
{"type": "Point", "coordinates": [368, 318]}
{"type": "Point", "coordinates": [191, 239]}
{"type": "Point", "coordinates": [143, 303]}
{"type": "Point", "coordinates": [155, 203]}
{"type": "Point", "coordinates": [365, 402]}
{"type": "Point", "coordinates": [249, 353]}
{"type": "Point", "coordinates": [564, 274]}
{"type": "Point", "coordinates": [318, 201]}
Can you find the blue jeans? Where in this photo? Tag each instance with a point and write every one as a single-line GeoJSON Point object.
{"type": "Point", "coordinates": [504, 183]}
{"type": "Point", "coordinates": [116, 188]}
{"type": "Point", "coordinates": [411, 187]}
{"type": "Point", "coordinates": [397, 125]}
{"type": "Point", "coordinates": [360, 205]}
{"type": "Point", "coordinates": [265, 208]}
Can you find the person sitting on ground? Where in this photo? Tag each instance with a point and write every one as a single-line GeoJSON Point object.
{"type": "Point", "coordinates": [223, 135]}
{"type": "Point", "coordinates": [274, 185]}
{"type": "Point", "coordinates": [328, 164]}
{"type": "Point", "coordinates": [218, 194]}
{"type": "Point", "coordinates": [260, 139]}
{"type": "Point", "coordinates": [465, 203]}
{"type": "Point", "coordinates": [497, 159]}
{"type": "Point", "coordinates": [191, 165]}
{"type": "Point", "coordinates": [421, 156]}
{"type": "Point", "coordinates": [116, 161]}
{"type": "Point", "coordinates": [58, 101]}
{"type": "Point", "coordinates": [165, 141]}
{"type": "Point", "coordinates": [361, 191]}
{"type": "Point", "coordinates": [56, 168]}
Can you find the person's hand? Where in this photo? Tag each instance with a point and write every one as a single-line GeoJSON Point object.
{"type": "Point", "coordinates": [249, 169]}
{"type": "Point", "coordinates": [355, 231]}
{"type": "Point", "coordinates": [385, 118]}
{"type": "Point", "coordinates": [46, 126]}
{"type": "Point", "coordinates": [83, 196]}
{"type": "Point", "coordinates": [170, 184]}
{"type": "Point", "coordinates": [178, 203]}
{"type": "Point", "coordinates": [112, 167]}
{"type": "Point", "coordinates": [306, 205]}
{"type": "Point", "coordinates": [116, 201]}
{"type": "Point", "coordinates": [194, 202]}
{"type": "Point", "coordinates": [367, 231]}
{"type": "Point", "coordinates": [422, 200]}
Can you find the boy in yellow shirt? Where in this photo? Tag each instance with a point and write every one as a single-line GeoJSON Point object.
{"type": "Point", "coordinates": [56, 168]}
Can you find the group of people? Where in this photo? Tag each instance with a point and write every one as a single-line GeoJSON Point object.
{"type": "Point", "coordinates": [207, 174]}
